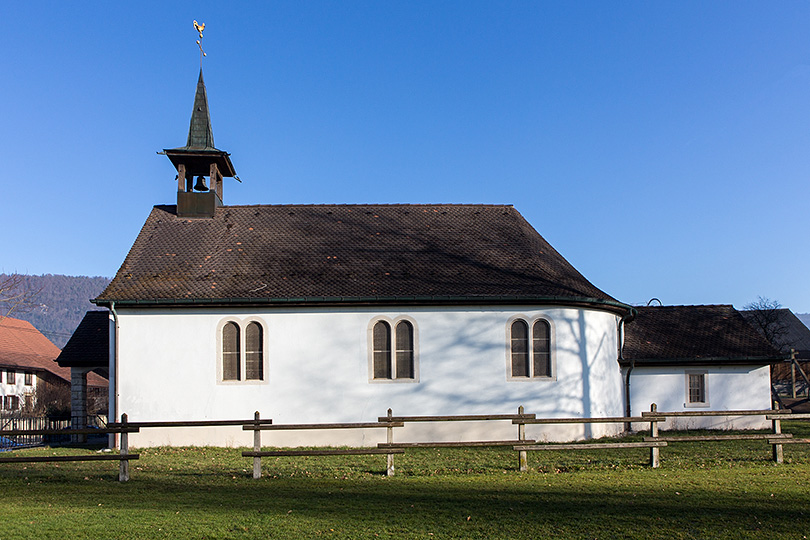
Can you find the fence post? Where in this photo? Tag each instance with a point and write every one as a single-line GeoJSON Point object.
{"type": "Point", "coordinates": [654, 451]}
{"type": "Point", "coordinates": [257, 446]}
{"type": "Point", "coordinates": [123, 465]}
{"type": "Point", "coordinates": [778, 456]}
{"type": "Point", "coordinates": [389, 438]}
{"type": "Point", "coordinates": [522, 460]}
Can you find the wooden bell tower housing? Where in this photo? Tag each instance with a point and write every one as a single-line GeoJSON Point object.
{"type": "Point", "coordinates": [201, 159]}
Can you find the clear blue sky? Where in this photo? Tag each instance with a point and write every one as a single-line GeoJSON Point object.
{"type": "Point", "coordinates": [662, 147]}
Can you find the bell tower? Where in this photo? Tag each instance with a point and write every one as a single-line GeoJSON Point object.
{"type": "Point", "coordinates": [200, 158]}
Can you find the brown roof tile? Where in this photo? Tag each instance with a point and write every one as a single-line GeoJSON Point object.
{"type": "Point", "coordinates": [346, 252]}
{"type": "Point", "coordinates": [696, 335]}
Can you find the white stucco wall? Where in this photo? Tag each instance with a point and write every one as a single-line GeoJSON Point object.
{"type": "Point", "coordinates": [17, 387]}
{"type": "Point", "coordinates": [318, 371]}
{"type": "Point", "coordinates": [727, 388]}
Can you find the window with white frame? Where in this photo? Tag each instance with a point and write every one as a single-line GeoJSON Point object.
{"type": "Point", "coordinates": [530, 350]}
{"type": "Point", "coordinates": [696, 394]}
{"type": "Point", "coordinates": [241, 351]}
{"type": "Point", "coordinates": [393, 351]}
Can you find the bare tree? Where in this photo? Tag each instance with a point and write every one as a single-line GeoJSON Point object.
{"type": "Point", "coordinates": [766, 317]}
{"type": "Point", "coordinates": [15, 294]}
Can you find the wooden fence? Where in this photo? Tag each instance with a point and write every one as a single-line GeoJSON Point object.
{"type": "Point", "coordinates": [654, 442]}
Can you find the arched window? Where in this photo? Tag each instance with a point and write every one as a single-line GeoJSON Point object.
{"type": "Point", "coordinates": [404, 356]}
{"type": "Point", "coordinates": [242, 351]}
{"type": "Point", "coordinates": [230, 352]}
{"type": "Point", "coordinates": [541, 348]}
{"type": "Point", "coordinates": [254, 354]}
{"type": "Point", "coordinates": [530, 358]}
{"type": "Point", "coordinates": [520, 349]}
{"type": "Point", "coordinates": [393, 351]}
{"type": "Point", "coordinates": [382, 350]}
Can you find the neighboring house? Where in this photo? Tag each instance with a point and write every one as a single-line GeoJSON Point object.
{"type": "Point", "coordinates": [787, 333]}
{"type": "Point", "coordinates": [26, 363]}
{"type": "Point", "coordinates": [328, 313]}
{"type": "Point", "coordinates": [87, 356]}
{"type": "Point", "coordinates": [698, 358]}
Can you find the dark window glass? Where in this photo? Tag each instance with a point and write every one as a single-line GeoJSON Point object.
{"type": "Point", "coordinates": [29, 378]}
{"type": "Point", "coordinates": [382, 350]}
{"type": "Point", "coordinates": [230, 352]}
{"type": "Point", "coordinates": [520, 349]}
{"type": "Point", "coordinates": [254, 361]}
{"type": "Point", "coordinates": [697, 388]}
{"type": "Point", "coordinates": [541, 349]}
{"type": "Point", "coordinates": [404, 333]}
{"type": "Point", "coordinates": [11, 376]}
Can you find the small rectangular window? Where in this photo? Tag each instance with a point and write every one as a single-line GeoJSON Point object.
{"type": "Point", "coordinates": [696, 389]}
{"type": "Point", "coordinates": [11, 403]}
{"type": "Point", "coordinates": [11, 376]}
{"type": "Point", "coordinates": [29, 378]}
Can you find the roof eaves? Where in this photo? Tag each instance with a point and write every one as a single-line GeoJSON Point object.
{"type": "Point", "coordinates": [704, 361]}
{"type": "Point", "coordinates": [362, 300]}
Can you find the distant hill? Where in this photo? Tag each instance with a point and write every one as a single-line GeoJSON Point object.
{"type": "Point", "coordinates": [805, 318]}
{"type": "Point", "coordinates": [59, 303]}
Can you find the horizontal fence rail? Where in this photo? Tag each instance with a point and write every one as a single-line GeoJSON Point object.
{"type": "Point", "coordinates": [39, 428]}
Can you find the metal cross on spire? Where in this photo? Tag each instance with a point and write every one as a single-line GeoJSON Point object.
{"type": "Point", "coordinates": [200, 27]}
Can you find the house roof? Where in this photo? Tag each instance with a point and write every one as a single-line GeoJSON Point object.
{"type": "Point", "coordinates": [694, 335]}
{"type": "Point", "coordinates": [89, 346]}
{"type": "Point", "coordinates": [23, 347]}
{"type": "Point", "coordinates": [321, 254]}
{"type": "Point", "coordinates": [793, 333]}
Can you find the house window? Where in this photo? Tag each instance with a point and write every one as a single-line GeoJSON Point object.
{"type": "Point", "coordinates": [11, 403]}
{"type": "Point", "coordinates": [11, 376]}
{"type": "Point", "coordinates": [241, 351]}
{"type": "Point", "coordinates": [696, 394]}
{"type": "Point", "coordinates": [29, 378]}
{"type": "Point", "coordinates": [530, 355]}
{"type": "Point", "coordinates": [393, 351]}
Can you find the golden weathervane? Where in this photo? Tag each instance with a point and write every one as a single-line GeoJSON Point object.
{"type": "Point", "coordinates": [199, 27]}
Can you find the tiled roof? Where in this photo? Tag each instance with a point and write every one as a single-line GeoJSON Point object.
{"type": "Point", "coordinates": [668, 335]}
{"type": "Point", "coordinates": [89, 346]}
{"type": "Point", "coordinates": [24, 348]}
{"type": "Point", "coordinates": [373, 253]}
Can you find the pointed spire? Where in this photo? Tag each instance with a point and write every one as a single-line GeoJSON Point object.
{"type": "Point", "coordinates": [200, 134]}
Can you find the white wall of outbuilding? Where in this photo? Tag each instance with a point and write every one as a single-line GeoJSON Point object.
{"type": "Point", "coordinates": [728, 388]}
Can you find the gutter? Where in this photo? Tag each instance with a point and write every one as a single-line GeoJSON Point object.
{"type": "Point", "coordinates": [625, 310]}
{"type": "Point", "coordinates": [625, 319]}
{"type": "Point", "coordinates": [705, 361]}
{"type": "Point", "coordinates": [113, 395]}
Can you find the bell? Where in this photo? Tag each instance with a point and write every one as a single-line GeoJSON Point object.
{"type": "Point", "coordinates": [200, 185]}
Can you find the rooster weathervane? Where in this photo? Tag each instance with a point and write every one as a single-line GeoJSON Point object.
{"type": "Point", "coordinates": [199, 27]}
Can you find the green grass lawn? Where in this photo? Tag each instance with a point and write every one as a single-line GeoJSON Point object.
{"type": "Point", "coordinates": [702, 490]}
